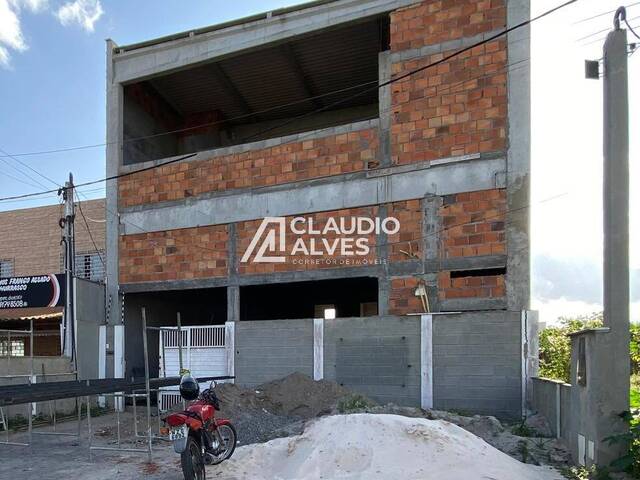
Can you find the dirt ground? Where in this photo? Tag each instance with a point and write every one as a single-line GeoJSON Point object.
{"type": "Point", "coordinates": [276, 409]}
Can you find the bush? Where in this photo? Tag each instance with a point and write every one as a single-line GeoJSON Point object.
{"type": "Point", "coordinates": [555, 345]}
{"type": "Point", "coordinates": [354, 403]}
{"type": "Point", "coordinates": [630, 462]}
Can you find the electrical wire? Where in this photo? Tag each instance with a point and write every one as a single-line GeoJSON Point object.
{"type": "Point", "coordinates": [604, 30]}
{"type": "Point", "coordinates": [440, 90]}
{"type": "Point", "coordinates": [30, 168]}
{"type": "Point", "coordinates": [86, 224]}
{"type": "Point", "coordinates": [604, 13]}
{"type": "Point", "coordinates": [375, 86]}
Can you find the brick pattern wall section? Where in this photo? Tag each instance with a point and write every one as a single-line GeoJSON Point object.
{"type": "Point", "coordinates": [188, 253]}
{"type": "Point", "coordinates": [470, 287]}
{"type": "Point", "coordinates": [402, 298]}
{"type": "Point", "coordinates": [407, 244]}
{"type": "Point", "coordinates": [436, 21]}
{"type": "Point", "coordinates": [473, 223]}
{"type": "Point", "coordinates": [320, 157]}
{"type": "Point", "coordinates": [456, 108]}
{"type": "Point", "coordinates": [302, 261]}
{"type": "Point", "coordinates": [31, 237]}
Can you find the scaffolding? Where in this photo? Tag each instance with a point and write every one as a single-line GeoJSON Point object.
{"type": "Point", "coordinates": [84, 390]}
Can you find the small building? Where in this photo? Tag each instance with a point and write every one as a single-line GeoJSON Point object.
{"type": "Point", "coordinates": [247, 151]}
{"type": "Point", "coordinates": [30, 244]}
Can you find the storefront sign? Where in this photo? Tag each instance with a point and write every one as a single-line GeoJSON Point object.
{"type": "Point", "coordinates": [32, 292]}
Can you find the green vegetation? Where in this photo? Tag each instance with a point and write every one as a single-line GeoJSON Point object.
{"type": "Point", "coordinates": [586, 473]}
{"type": "Point", "coordinates": [354, 403]}
{"type": "Point", "coordinates": [630, 462]}
{"type": "Point", "coordinates": [555, 363]}
{"type": "Point", "coordinates": [524, 430]}
{"type": "Point", "coordinates": [555, 345]}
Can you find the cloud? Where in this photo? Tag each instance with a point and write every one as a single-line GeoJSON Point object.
{"type": "Point", "coordinates": [11, 37]}
{"type": "Point", "coordinates": [573, 286]}
{"type": "Point", "coordinates": [84, 13]}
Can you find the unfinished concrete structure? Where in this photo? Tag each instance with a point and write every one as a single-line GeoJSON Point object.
{"type": "Point", "coordinates": [283, 114]}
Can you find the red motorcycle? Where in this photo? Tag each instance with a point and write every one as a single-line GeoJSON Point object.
{"type": "Point", "coordinates": [199, 437]}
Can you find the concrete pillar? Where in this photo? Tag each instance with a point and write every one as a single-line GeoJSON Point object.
{"type": "Point", "coordinates": [233, 303]}
{"type": "Point", "coordinates": [615, 359]}
{"type": "Point", "coordinates": [384, 107]}
{"type": "Point", "coordinates": [426, 361]}
{"type": "Point", "coordinates": [518, 282]}
{"type": "Point", "coordinates": [616, 195]}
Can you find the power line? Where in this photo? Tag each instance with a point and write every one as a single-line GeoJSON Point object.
{"type": "Point", "coordinates": [604, 30]}
{"type": "Point", "coordinates": [441, 90]}
{"type": "Point", "coordinates": [373, 83]}
{"type": "Point", "coordinates": [29, 167]}
{"type": "Point", "coordinates": [195, 127]}
{"type": "Point", "coordinates": [376, 87]}
{"type": "Point", "coordinates": [89, 231]}
{"type": "Point", "coordinates": [603, 14]}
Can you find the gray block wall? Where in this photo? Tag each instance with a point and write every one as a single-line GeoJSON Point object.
{"type": "Point", "coordinates": [477, 363]}
{"type": "Point", "coordinates": [266, 350]}
{"type": "Point", "coordinates": [545, 400]}
{"type": "Point", "coordinates": [376, 356]}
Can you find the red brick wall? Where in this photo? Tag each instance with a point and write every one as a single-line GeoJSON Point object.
{"type": "Point", "coordinates": [402, 297]}
{"type": "Point", "coordinates": [332, 155]}
{"type": "Point", "coordinates": [473, 224]}
{"type": "Point", "coordinates": [470, 287]}
{"type": "Point", "coordinates": [436, 21]}
{"type": "Point", "coordinates": [456, 108]}
{"type": "Point", "coordinates": [246, 231]}
{"type": "Point", "coordinates": [407, 243]}
{"type": "Point", "coordinates": [30, 237]}
{"type": "Point", "coordinates": [187, 253]}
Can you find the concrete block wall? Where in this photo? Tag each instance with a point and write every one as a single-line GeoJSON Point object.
{"type": "Point", "coordinates": [376, 356]}
{"type": "Point", "coordinates": [477, 358]}
{"type": "Point", "coordinates": [267, 350]}
{"type": "Point", "coordinates": [547, 401]}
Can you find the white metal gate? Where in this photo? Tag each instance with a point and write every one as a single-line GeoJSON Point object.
{"type": "Point", "coordinates": [203, 354]}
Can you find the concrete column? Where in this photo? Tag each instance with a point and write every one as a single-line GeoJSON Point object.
{"type": "Point", "coordinates": [616, 195]}
{"type": "Point", "coordinates": [384, 101]}
{"type": "Point", "coordinates": [382, 252]}
{"type": "Point", "coordinates": [233, 303]}
{"type": "Point", "coordinates": [426, 361]}
{"type": "Point", "coordinates": [230, 347]}
{"type": "Point", "coordinates": [113, 162]}
{"type": "Point", "coordinates": [318, 348]}
{"type": "Point", "coordinates": [518, 282]}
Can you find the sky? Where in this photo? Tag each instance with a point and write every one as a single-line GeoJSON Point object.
{"type": "Point", "coordinates": [52, 95]}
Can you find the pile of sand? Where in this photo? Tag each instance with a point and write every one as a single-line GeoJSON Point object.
{"type": "Point", "coordinates": [367, 446]}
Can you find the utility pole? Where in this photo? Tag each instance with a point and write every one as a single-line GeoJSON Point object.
{"type": "Point", "coordinates": [616, 204]}
{"type": "Point", "coordinates": [68, 240]}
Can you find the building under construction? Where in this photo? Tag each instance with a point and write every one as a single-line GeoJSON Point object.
{"type": "Point", "coordinates": [325, 114]}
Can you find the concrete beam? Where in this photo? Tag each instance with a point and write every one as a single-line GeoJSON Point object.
{"type": "Point", "coordinates": [175, 54]}
{"type": "Point", "coordinates": [259, 203]}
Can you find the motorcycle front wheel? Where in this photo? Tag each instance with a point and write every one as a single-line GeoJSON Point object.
{"type": "Point", "coordinates": [192, 461]}
{"type": "Point", "coordinates": [229, 438]}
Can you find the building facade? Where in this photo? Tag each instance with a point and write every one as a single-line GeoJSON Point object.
{"type": "Point", "coordinates": [318, 114]}
{"type": "Point", "coordinates": [30, 244]}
